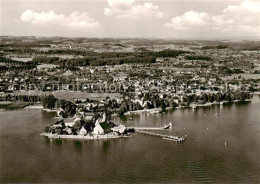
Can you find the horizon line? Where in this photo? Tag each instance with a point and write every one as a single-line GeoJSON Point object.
{"type": "Point", "coordinates": [245, 38]}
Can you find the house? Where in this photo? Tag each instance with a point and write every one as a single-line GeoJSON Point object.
{"type": "Point", "coordinates": [82, 131]}
{"type": "Point", "coordinates": [101, 128]}
{"type": "Point", "coordinates": [68, 130]}
{"type": "Point", "coordinates": [57, 125]}
{"type": "Point", "coordinates": [88, 117]}
{"type": "Point", "coordinates": [70, 124]}
{"type": "Point", "coordinates": [119, 129]}
{"type": "Point", "coordinates": [98, 129]}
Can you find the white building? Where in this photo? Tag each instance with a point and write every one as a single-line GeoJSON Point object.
{"type": "Point", "coordinates": [119, 129]}
{"type": "Point", "coordinates": [70, 124]}
{"type": "Point", "coordinates": [98, 129]}
{"type": "Point", "coordinates": [82, 131]}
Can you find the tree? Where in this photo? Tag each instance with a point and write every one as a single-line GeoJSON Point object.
{"type": "Point", "coordinates": [162, 104]}
{"type": "Point", "coordinates": [205, 97]}
{"type": "Point", "coordinates": [77, 125]}
{"type": "Point", "coordinates": [68, 107]}
{"type": "Point", "coordinates": [49, 102]}
{"type": "Point", "coordinates": [228, 97]}
{"type": "Point", "coordinates": [89, 126]}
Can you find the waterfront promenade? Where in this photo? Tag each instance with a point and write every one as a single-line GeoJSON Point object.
{"type": "Point", "coordinates": [85, 137]}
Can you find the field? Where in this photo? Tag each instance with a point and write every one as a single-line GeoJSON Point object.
{"type": "Point", "coordinates": [71, 95]}
{"type": "Point", "coordinates": [13, 106]}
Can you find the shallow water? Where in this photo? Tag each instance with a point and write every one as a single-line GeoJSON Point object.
{"type": "Point", "coordinates": [223, 145]}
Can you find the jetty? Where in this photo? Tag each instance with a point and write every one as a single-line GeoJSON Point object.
{"type": "Point", "coordinates": [152, 128]}
{"type": "Point", "coordinates": [168, 137]}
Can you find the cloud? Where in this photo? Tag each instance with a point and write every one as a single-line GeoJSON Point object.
{"type": "Point", "coordinates": [74, 20]}
{"type": "Point", "coordinates": [244, 17]}
{"type": "Point", "coordinates": [128, 9]}
{"type": "Point", "coordinates": [188, 20]}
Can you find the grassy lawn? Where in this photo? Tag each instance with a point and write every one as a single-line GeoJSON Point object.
{"type": "Point", "coordinates": [71, 95]}
{"type": "Point", "coordinates": [14, 105]}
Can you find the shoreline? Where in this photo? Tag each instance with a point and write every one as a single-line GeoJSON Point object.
{"type": "Point", "coordinates": [256, 93]}
{"type": "Point", "coordinates": [34, 107]}
{"type": "Point", "coordinates": [84, 137]}
{"type": "Point", "coordinates": [49, 110]}
{"type": "Point", "coordinates": [150, 111]}
{"type": "Point", "coordinates": [182, 107]}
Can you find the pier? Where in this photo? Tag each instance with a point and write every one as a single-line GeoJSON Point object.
{"type": "Point", "coordinates": [168, 137]}
{"type": "Point", "coordinates": [152, 128]}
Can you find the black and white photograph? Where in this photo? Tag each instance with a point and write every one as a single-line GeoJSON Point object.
{"type": "Point", "coordinates": [129, 91]}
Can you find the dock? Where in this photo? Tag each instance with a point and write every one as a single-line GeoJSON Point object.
{"type": "Point", "coordinates": [152, 128]}
{"type": "Point", "coordinates": [168, 137]}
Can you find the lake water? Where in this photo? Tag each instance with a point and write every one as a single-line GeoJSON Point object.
{"type": "Point", "coordinates": [203, 157]}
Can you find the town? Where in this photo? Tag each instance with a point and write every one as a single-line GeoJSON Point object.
{"type": "Point", "coordinates": [88, 81]}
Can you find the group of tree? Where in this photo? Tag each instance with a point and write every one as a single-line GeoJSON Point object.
{"type": "Point", "coordinates": [100, 59]}
{"type": "Point", "coordinates": [215, 47]}
{"type": "Point", "coordinates": [13, 65]}
{"type": "Point", "coordinates": [51, 102]}
{"type": "Point", "coordinates": [197, 57]}
{"type": "Point", "coordinates": [69, 108]}
{"type": "Point", "coordinates": [128, 105]}
{"type": "Point", "coordinates": [216, 97]}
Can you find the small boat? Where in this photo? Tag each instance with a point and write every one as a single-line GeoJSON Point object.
{"type": "Point", "coordinates": [154, 112]}
{"type": "Point", "coordinates": [167, 126]}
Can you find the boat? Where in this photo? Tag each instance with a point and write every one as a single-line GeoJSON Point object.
{"type": "Point", "coordinates": [154, 112]}
{"type": "Point", "coordinates": [194, 107]}
{"type": "Point", "coordinates": [167, 126]}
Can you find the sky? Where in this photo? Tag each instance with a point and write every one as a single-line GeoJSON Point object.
{"type": "Point", "coordinates": [131, 18]}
